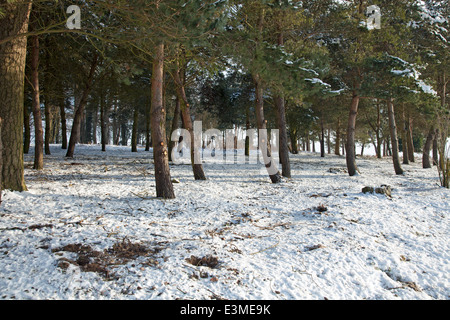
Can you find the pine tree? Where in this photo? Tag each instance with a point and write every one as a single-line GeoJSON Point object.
{"type": "Point", "coordinates": [14, 20]}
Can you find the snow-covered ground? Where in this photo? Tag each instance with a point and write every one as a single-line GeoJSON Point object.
{"type": "Point", "coordinates": [90, 228]}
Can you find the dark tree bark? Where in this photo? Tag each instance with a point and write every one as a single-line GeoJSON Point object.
{"type": "Point", "coordinates": [322, 139]}
{"type": "Point", "coordinates": [329, 140]}
{"type": "Point", "coordinates": [337, 142]}
{"type": "Point", "coordinates": [426, 163]}
{"type": "Point", "coordinates": [62, 115]}
{"type": "Point", "coordinates": [94, 124]}
{"type": "Point", "coordinates": [197, 166]}
{"type": "Point", "coordinates": [134, 133]}
{"type": "Point", "coordinates": [378, 131]}
{"type": "Point", "coordinates": [263, 138]}
{"type": "Point", "coordinates": [47, 100]}
{"type": "Point", "coordinates": [148, 141]}
{"type": "Point", "coordinates": [164, 186]}
{"type": "Point", "coordinates": [38, 130]}
{"type": "Point", "coordinates": [103, 119]}
{"type": "Point", "coordinates": [124, 130]}
{"type": "Point", "coordinates": [283, 143]}
{"type": "Point", "coordinates": [294, 141]}
{"type": "Point", "coordinates": [13, 22]}
{"type": "Point", "coordinates": [404, 143]}
{"type": "Point", "coordinates": [409, 139]}
{"type": "Point", "coordinates": [394, 140]}
{"type": "Point", "coordinates": [247, 128]}
{"type": "Point", "coordinates": [435, 147]}
{"type": "Point", "coordinates": [350, 143]}
{"type": "Point", "coordinates": [76, 127]}
{"type": "Point", "coordinates": [89, 127]}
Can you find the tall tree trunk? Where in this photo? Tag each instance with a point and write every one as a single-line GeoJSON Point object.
{"type": "Point", "coordinates": [283, 138]}
{"type": "Point", "coordinates": [426, 163]}
{"type": "Point", "coordinates": [38, 130]}
{"type": "Point", "coordinates": [322, 139]}
{"type": "Point", "coordinates": [123, 130]}
{"type": "Point", "coordinates": [134, 133]}
{"type": "Point", "coordinates": [247, 128]}
{"type": "Point", "coordinates": [329, 140]}
{"type": "Point", "coordinates": [47, 100]}
{"type": "Point", "coordinates": [13, 21]}
{"type": "Point", "coordinates": [62, 115]}
{"type": "Point", "coordinates": [88, 128]}
{"type": "Point", "coordinates": [394, 139]}
{"type": "Point", "coordinates": [409, 138]}
{"type": "Point", "coordinates": [378, 131]}
{"type": "Point", "coordinates": [103, 119]}
{"type": "Point", "coordinates": [350, 143]}
{"type": "Point", "coordinates": [175, 125]}
{"type": "Point", "coordinates": [75, 133]}
{"type": "Point", "coordinates": [283, 142]}
{"type": "Point", "coordinates": [294, 141]}
{"type": "Point", "coordinates": [403, 135]}
{"type": "Point", "coordinates": [263, 138]}
{"type": "Point", "coordinates": [164, 186]}
{"type": "Point", "coordinates": [197, 167]}
{"type": "Point", "coordinates": [94, 125]}
{"type": "Point", "coordinates": [337, 142]}
{"type": "Point", "coordinates": [435, 147]}
{"type": "Point", "coordinates": [148, 142]}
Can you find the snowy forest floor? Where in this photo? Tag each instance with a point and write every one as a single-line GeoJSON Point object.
{"type": "Point", "coordinates": [91, 228]}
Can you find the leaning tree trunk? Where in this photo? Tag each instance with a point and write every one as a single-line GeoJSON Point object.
{"type": "Point", "coordinates": [76, 127]}
{"type": "Point", "coordinates": [394, 139]}
{"type": "Point", "coordinates": [13, 21]}
{"type": "Point", "coordinates": [263, 139]}
{"type": "Point", "coordinates": [350, 143]}
{"type": "Point", "coordinates": [426, 163]}
{"type": "Point", "coordinates": [164, 186]}
{"type": "Point", "coordinates": [196, 162]}
{"type": "Point", "coordinates": [38, 130]}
